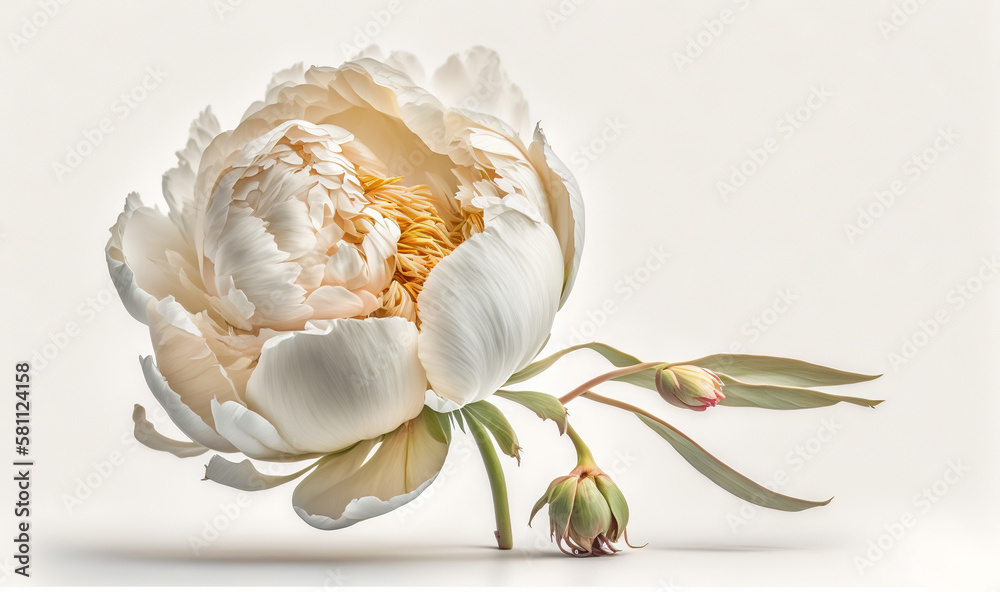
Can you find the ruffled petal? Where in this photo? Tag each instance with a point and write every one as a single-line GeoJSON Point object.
{"type": "Point", "coordinates": [344, 489]}
{"type": "Point", "coordinates": [178, 182]}
{"type": "Point", "coordinates": [565, 203]}
{"type": "Point", "coordinates": [188, 421]}
{"type": "Point", "coordinates": [243, 475]}
{"type": "Point", "coordinates": [146, 434]}
{"type": "Point", "coordinates": [475, 80]}
{"type": "Point", "coordinates": [488, 307]}
{"type": "Point", "coordinates": [133, 297]}
{"type": "Point", "coordinates": [348, 380]}
{"type": "Point", "coordinates": [148, 258]}
{"type": "Point", "coordinates": [252, 434]}
{"type": "Point", "coordinates": [185, 359]}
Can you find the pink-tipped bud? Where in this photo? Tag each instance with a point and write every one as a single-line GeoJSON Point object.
{"type": "Point", "coordinates": [689, 387]}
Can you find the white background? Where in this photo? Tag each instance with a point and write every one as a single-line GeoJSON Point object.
{"type": "Point", "coordinates": [652, 185]}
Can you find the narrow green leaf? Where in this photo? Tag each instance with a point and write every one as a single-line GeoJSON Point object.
{"type": "Point", "coordinates": [487, 415]}
{"type": "Point", "coordinates": [779, 371]}
{"type": "Point", "coordinates": [766, 396]}
{"type": "Point", "coordinates": [724, 476]}
{"type": "Point", "coordinates": [543, 405]}
{"type": "Point", "coordinates": [616, 357]}
{"type": "Point", "coordinates": [456, 416]}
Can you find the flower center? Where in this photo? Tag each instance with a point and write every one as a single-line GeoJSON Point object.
{"type": "Point", "coordinates": [429, 228]}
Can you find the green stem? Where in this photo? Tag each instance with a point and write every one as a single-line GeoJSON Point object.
{"type": "Point", "coordinates": [498, 485]}
{"type": "Point", "coordinates": [583, 455]}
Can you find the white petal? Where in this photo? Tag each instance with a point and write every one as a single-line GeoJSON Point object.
{"type": "Point", "coordinates": [178, 182]}
{"type": "Point", "coordinates": [476, 81]}
{"type": "Point", "coordinates": [146, 257]}
{"type": "Point", "coordinates": [244, 476]}
{"type": "Point", "coordinates": [252, 434]}
{"type": "Point", "coordinates": [246, 257]}
{"type": "Point", "coordinates": [325, 390]}
{"type": "Point", "coordinates": [335, 302]}
{"type": "Point", "coordinates": [146, 434]}
{"type": "Point", "coordinates": [133, 297]}
{"type": "Point", "coordinates": [439, 404]}
{"type": "Point", "coordinates": [488, 306]}
{"type": "Point", "coordinates": [342, 491]}
{"type": "Point", "coordinates": [188, 421]}
{"type": "Point", "coordinates": [346, 267]}
{"type": "Point", "coordinates": [404, 61]}
{"type": "Point", "coordinates": [566, 203]}
{"type": "Point", "coordinates": [186, 361]}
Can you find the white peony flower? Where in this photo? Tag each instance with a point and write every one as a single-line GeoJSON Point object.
{"type": "Point", "coordinates": [356, 246]}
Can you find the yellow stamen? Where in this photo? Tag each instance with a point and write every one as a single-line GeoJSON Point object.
{"type": "Point", "coordinates": [429, 231]}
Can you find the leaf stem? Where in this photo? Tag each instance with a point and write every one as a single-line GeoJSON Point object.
{"type": "Point", "coordinates": [583, 388]}
{"type": "Point", "coordinates": [623, 405]}
{"type": "Point", "coordinates": [498, 484]}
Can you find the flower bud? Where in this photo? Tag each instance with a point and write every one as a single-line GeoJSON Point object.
{"type": "Point", "coordinates": [587, 512]}
{"type": "Point", "coordinates": [689, 387]}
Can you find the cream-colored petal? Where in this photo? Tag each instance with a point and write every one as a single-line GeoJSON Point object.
{"type": "Point", "coordinates": [404, 61]}
{"type": "Point", "coordinates": [336, 302]}
{"type": "Point", "coordinates": [566, 204]}
{"type": "Point", "coordinates": [178, 182]}
{"type": "Point", "coordinates": [147, 256]}
{"type": "Point", "coordinates": [146, 434]}
{"type": "Point", "coordinates": [185, 359]}
{"type": "Point", "coordinates": [331, 387]}
{"type": "Point", "coordinates": [342, 491]}
{"type": "Point", "coordinates": [244, 476]}
{"type": "Point", "coordinates": [184, 418]}
{"type": "Point", "coordinates": [252, 434]}
{"type": "Point", "coordinates": [488, 306]}
{"type": "Point", "coordinates": [133, 297]}
{"type": "Point", "coordinates": [475, 80]}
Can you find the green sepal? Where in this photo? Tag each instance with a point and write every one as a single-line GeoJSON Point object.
{"type": "Point", "coordinates": [545, 498]}
{"type": "Point", "coordinates": [438, 424]}
{"type": "Point", "coordinates": [489, 416]}
{"type": "Point", "coordinates": [456, 416]}
{"type": "Point", "coordinates": [616, 501]}
{"type": "Point", "coordinates": [543, 405]}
